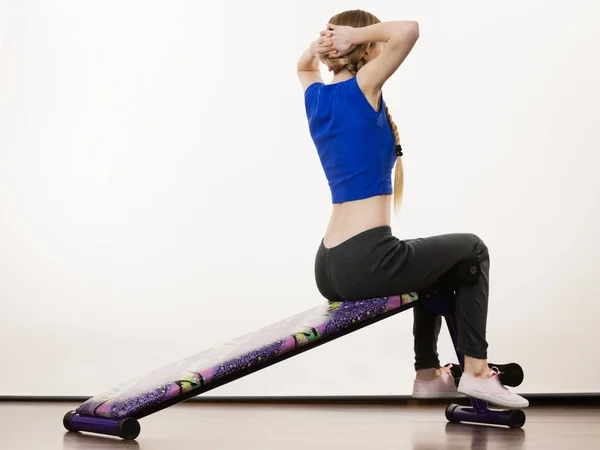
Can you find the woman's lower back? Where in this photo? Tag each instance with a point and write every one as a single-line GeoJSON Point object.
{"type": "Point", "coordinates": [350, 218]}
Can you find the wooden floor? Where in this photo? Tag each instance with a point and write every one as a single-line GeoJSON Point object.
{"type": "Point", "coordinates": [188, 426]}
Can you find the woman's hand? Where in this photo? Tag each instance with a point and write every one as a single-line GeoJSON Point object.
{"type": "Point", "coordinates": [336, 41]}
{"type": "Point", "coordinates": [314, 51]}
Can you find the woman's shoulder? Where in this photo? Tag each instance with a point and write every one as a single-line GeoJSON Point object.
{"type": "Point", "coordinates": [321, 95]}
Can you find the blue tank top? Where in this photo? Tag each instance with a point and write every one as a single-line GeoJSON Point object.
{"type": "Point", "coordinates": [355, 143]}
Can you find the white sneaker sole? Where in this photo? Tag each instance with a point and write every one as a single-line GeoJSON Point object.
{"type": "Point", "coordinates": [438, 395]}
{"type": "Point", "coordinates": [494, 400]}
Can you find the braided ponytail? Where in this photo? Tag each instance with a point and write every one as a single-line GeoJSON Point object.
{"type": "Point", "coordinates": [399, 174]}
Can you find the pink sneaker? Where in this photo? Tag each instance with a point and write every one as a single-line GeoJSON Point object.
{"type": "Point", "coordinates": [442, 387]}
{"type": "Point", "coordinates": [490, 390]}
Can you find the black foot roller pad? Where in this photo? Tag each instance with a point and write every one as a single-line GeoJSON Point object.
{"type": "Point", "coordinates": [511, 374]}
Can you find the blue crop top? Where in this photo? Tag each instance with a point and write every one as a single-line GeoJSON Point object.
{"type": "Point", "coordinates": [355, 143]}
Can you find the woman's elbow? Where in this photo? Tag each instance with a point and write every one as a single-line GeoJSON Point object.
{"type": "Point", "coordinates": [412, 30]}
{"type": "Point", "coordinates": [407, 31]}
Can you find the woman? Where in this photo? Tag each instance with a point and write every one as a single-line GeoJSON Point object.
{"type": "Point", "coordinates": [359, 257]}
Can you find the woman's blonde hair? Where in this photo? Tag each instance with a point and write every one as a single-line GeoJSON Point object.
{"type": "Point", "coordinates": [353, 62]}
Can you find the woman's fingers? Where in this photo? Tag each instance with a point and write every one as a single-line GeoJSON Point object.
{"type": "Point", "coordinates": [323, 50]}
{"type": "Point", "coordinates": [326, 52]}
{"type": "Point", "coordinates": [326, 47]}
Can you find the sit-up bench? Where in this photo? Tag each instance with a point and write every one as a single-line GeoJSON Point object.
{"type": "Point", "coordinates": [117, 411]}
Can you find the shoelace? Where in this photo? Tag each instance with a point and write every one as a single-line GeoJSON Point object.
{"type": "Point", "coordinates": [446, 369]}
{"type": "Point", "coordinates": [494, 372]}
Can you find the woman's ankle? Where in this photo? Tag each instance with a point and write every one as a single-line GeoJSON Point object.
{"type": "Point", "coordinates": [477, 368]}
{"type": "Point", "coordinates": [429, 374]}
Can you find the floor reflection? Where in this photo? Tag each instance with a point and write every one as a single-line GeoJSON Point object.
{"type": "Point", "coordinates": [80, 441]}
{"type": "Point", "coordinates": [470, 436]}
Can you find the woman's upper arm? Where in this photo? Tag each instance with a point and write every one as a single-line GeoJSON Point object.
{"type": "Point", "coordinates": [310, 96]}
{"type": "Point", "coordinates": [373, 75]}
{"type": "Point", "coordinates": [308, 77]}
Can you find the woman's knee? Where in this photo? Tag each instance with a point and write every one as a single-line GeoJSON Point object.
{"type": "Point", "coordinates": [480, 249]}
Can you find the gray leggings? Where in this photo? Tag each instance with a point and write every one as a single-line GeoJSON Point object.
{"type": "Point", "coordinates": [375, 263]}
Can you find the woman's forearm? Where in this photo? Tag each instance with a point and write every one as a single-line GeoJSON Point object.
{"type": "Point", "coordinates": [384, 31]}
{"type": "Point", "coordinates": [309, 61]}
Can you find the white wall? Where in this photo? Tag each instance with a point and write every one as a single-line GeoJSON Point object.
{"type": "Point", "coordinates": [160, 194]}
{"type": "Point", "coordinates": [6, 16]}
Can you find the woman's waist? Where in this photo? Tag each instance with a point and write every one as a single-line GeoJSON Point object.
{"type": "Point", "coordinates": [351, 218]}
